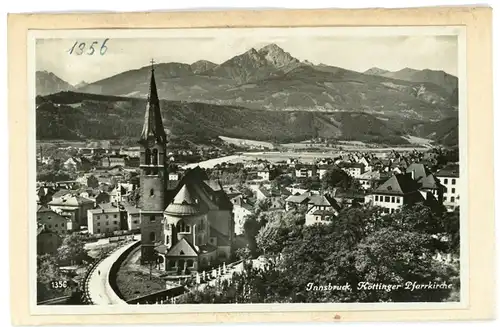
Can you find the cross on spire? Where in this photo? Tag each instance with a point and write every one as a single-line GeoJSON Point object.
{"type": "Point", "coordinates": [152, 64]}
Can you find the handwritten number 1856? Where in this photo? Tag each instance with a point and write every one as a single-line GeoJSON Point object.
{"type": "Point", "coordinates": [79, 48]}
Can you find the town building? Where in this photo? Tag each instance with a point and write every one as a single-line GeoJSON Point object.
{"type": "Point", "coordinates": [185, 228]}
{"type": "Point", "coordinates": [323, 168]}
{"type": "Point", "coordinates": [304, 171]}
{"type": "Point", "coordinates": [274, 195]}
{"type": "Point", "coordinates": [113, 160]}
{"type": "Point", "coordinates": [319, 208]}
{"type": "Point", "coordinates": [133, 217]}
{"type": "Point", "coordinates": [397, 191]}
{"type": "Point", "coordinates": [449, 177]}
{"type": "Point", "coordinates": [74, 206]}
{"type": "Point", "coordinates": [53, 221]}
{"type": "Point", "coordinates": [242, 208]}
{"type": "Point", "coordinates": [371, 179]}
{"type": "Point", "coordinates": [264, 173]}
{"type": "Point", "coordinates": [104, 220]}
{"type": "Point", "coordinates": [354, 169]}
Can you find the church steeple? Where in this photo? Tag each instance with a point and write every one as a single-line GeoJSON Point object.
{"type": "Point", "coordinates": [152, 130]}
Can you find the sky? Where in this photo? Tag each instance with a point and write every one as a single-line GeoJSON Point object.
{"type": "Point", "coordinates": [355, 51]}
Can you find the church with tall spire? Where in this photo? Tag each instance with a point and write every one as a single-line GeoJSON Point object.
{"type": "Point", "coordinates": [186, 227]}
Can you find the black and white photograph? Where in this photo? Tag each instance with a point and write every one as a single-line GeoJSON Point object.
{"type": "Point", "coordinates": [263, 166]}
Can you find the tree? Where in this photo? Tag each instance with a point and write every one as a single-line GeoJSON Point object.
{"type": "Point", "coordinates": [48, 272]}
{"type": "Point", "coordinates": [278, 230]}
{"type": "Point", "coordinates": [251, 227]}
{"type": "Point", "coordinates": [72, 250]}
{"type": "Point", "coordinates": [92, 181]}
{"type": "Point", "coordinates": [284, 180]}
{"type": "Point", "coordinates": [336, 177]}
{"type": "Point", "coordinates": [396, 257]}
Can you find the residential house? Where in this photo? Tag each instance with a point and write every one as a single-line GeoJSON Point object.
{"type": "Point", "coordinates": [113, 160]}
{"type": "Point", "coordinates": [397, 191]}
{"type": "Point", "coordinates": [133, 152]}
{"type": "Point", "coordinates": [431, 185]}
{"type": "Point", "coordinates": [69, 185]}
{"type": "Point", "coordinates": [53, 221]}
{"type": "Point", "coordinates": [242, 208]}
{"type": "Point", "coordinates": [349, 198]}
{"type": "Point", "coordinates": [264, 173]}
{"type": "Point", "coordinates": [323, 168]}
{"type": "Point", "coordinates": [47, 242]}
{"type": "Point", "coordinates": [274, 195]}
{"type": "Point", "coordinates": [74, 205]}
{"type": "Point", "coordinates": [78, 164]}
{"type": "Point", "coordinates": [320, 208]}
{"type": "Point", "coordinates": [449, 177]}
{"type": "Point", "coordinates": [133, 216]}
{"type": "Point", "coordinates": [104, 220]}
{"type": "Point", "coordinates": [365, 161]}
{"type": "Point", "coordinates": [354, 169]}
{"type": "Point", "coordinates": [292, 162]}
{"type": "Point", "coordinates": [418, 171]}
{"type": "Point", "coordinates": [371, 179]}
{"type": "Point", "coordinates": [304, 171]}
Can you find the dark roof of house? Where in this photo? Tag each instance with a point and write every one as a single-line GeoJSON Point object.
{"type": "Point", "coordinates": [398, 184]}
{"type": "Point", "coordinates": [70, 200]}
{"type": "Point", "coordinates": [430, 182]}
{"type": "Point", "coordinates": [419, 171]}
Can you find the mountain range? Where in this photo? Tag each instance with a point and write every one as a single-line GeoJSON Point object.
{"type": "Point", "coordinates": [49, 83]}
{"type": "Point", "coordinates": [83, 116]}
{"type": "Point", "coordinates": [271, 83]}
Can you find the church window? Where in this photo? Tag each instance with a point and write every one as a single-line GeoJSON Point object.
{"type": "Point", "coordinates": [148, 157]}
{"type": "Point", "coordinates": [152, 236]}
{"type": "Point", "coordinates": [190, 263]}
{"type": "Point", "coordinates": [152, 219]}
{"type": "Point", "coordinates": [167, 239]}
{"type": "Point", "coordinates": [154, 159]}
{"type": "Point", "coordinates": [151, 192]}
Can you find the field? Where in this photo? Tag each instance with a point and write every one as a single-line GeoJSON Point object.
{"type": "Point", "coordinates": [247, 143]}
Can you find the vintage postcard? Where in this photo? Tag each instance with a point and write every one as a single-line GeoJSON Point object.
{"type": "Point", "coordinates": [318, 171]}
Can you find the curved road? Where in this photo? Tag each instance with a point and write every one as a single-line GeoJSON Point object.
{"type": "Point", "coordinates": [99, 288]}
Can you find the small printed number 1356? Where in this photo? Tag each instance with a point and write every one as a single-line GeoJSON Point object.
{"type": "Point", "coordinates": [80, 48]}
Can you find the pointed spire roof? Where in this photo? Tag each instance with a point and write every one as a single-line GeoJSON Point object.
{"type": "Point", "coordinates": [153, 125]}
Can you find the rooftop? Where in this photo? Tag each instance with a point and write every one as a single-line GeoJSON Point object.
{"type": "Point", "coordinates": [398, 184]}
